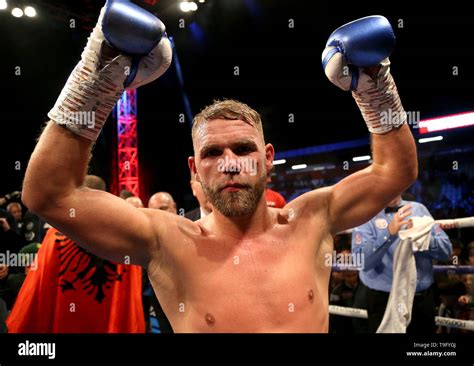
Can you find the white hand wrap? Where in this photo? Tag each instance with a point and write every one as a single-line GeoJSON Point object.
{"type": "Point", "coordinates": [93, 87]}
{"type": "Point", "coordinates": [378, 101]}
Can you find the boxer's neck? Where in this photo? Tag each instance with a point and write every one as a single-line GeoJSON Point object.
{"type": "Point", "coordinates": [241, 227]}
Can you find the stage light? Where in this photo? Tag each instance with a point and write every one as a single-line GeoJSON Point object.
{"type": "Point", "coordinates": [193, 6]}
{"type": "Point", "coordinates": [299, 166]}
{"type": "Point", "coordinates": [279, 162]}
{"type": "Point", "coordinates": [447, 122]}
{"type": "Point", "coordinates": [3, 4]}
{"type": "Point", "coordinates": [202, 1]}
{"type": "Point", "coordinates": [361, 158]}
{"type": "Point", "coordinates": [430, 139]}
{"type": "Point", "coordinates": [17, 12]}
{"type": "Point", "coordinates": [185, 6]}
{"type": "Point", "coordinates": [30, 11]}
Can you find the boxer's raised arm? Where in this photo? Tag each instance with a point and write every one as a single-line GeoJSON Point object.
{"type": "Point", "coordinates": [356, 59]}
{"type": "Point", "coordinates": [100, 222]}
{"type": "Point", "coordinates": [127, 48]}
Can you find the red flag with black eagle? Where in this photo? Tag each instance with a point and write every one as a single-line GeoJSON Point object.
{"type": "Point", "coordinates": [74, 291]}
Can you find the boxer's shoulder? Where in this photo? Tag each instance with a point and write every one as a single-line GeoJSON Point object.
{"type": "Point", "coordinates": [171, 227]}
{"type": "Point", "coordinates": [309, 203]}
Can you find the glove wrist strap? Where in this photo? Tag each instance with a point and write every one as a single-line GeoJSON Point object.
{"type": "Point", "coordinates": [380, 103]}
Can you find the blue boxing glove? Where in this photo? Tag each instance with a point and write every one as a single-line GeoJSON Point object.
{"type": "Point", "coordinates": [127, 48]}
{"type": "Point", "coordinates": [350, 50]}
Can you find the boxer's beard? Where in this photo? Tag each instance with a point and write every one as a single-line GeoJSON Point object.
{"type": "Point", "coordinates": [239, 203]}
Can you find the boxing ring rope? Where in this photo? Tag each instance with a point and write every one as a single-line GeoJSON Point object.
{"type": "Point", "coordinates": [439, 320]}
{"type": "Point", "coordinates": [436, 268]}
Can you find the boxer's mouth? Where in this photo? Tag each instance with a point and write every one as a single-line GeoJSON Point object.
{"type": "Point", "coordinates": [233, 187]}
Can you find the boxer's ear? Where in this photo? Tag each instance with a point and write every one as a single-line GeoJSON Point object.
{"type": "Point", "coordinates": [193, 169]}
{"type": "Point", "coordinates": [269, 156]}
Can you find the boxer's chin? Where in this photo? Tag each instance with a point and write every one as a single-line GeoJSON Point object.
{"type": "Point", "coordinates": [239, 203]}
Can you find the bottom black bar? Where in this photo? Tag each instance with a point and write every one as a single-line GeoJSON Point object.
{"type": "Point", "coordinates": [85, 347]}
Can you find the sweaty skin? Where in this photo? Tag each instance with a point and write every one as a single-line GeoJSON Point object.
{"type": "Point", "coordinates": [263, 271]}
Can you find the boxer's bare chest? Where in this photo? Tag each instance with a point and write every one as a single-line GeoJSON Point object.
{"type": "Point", "coordinates": [273, 282]}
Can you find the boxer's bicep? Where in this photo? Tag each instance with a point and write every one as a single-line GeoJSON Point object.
{"type": "Point", "coordinates": [357, 198]}
{"type": "Point", "coordinates": [105, 225]}
{"type": "Point", "coordinates": [360, 196]}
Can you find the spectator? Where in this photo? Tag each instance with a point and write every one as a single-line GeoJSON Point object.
{"type": "Point", "coordinates": [16, 276]}
{"type": "Point", "coordinates": [9, 238]}
{"type": "Point", "coordinates": [124, 194]}
{"type": "Point", "coordinates": [135, 201]}
{"type": "Point", "coordinates": [470, 254]}
{"type": "Point", "coordinates": [274, 199]}
{"type": "Point", "coordinates": [450, 291]}
{"type": "Point", "coordinates": [205, 207]}
{"type": "Point", "coordinates": [3, 305]}
{"type": "Point", "coordinates": [15, 196]}
{"type": "Point", "coordinates": [467, 299]}
{"type": "Point", "coordinates": [343, 295]}
{"type": "Point", "coordinates": [162, 201]}
{"type": "Point", "coordinates": [15, 209]}
{"type": "Point", "coordinates": [456, 254]}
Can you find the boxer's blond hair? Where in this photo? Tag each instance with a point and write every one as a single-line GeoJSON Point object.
{"type": "Point", "coordinates": [228, 109]}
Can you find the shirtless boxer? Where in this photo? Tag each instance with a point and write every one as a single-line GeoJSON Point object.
{"type": "Point", "coordinates": [245, 267]}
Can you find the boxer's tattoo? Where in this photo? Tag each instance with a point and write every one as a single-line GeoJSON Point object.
{"type": "Point", "coordinates": [181, 307]}
{"type": "Point", "coordinates": [210, 319]}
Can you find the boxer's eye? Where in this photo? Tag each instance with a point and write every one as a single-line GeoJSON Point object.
{"type": "Point", "coordinates": [244, 148]}
{"type": "Point", "coordinates": [212, 153]}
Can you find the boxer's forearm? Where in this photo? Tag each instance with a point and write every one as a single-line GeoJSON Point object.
{"type": "Point", "coordinates": [57, 167]}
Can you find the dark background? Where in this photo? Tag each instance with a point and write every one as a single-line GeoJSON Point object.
{"type": "Point", "coordinates": [280, 73]}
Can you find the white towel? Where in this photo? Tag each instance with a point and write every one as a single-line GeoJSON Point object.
{"type": "Point", "coordinates": [400, 302]}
